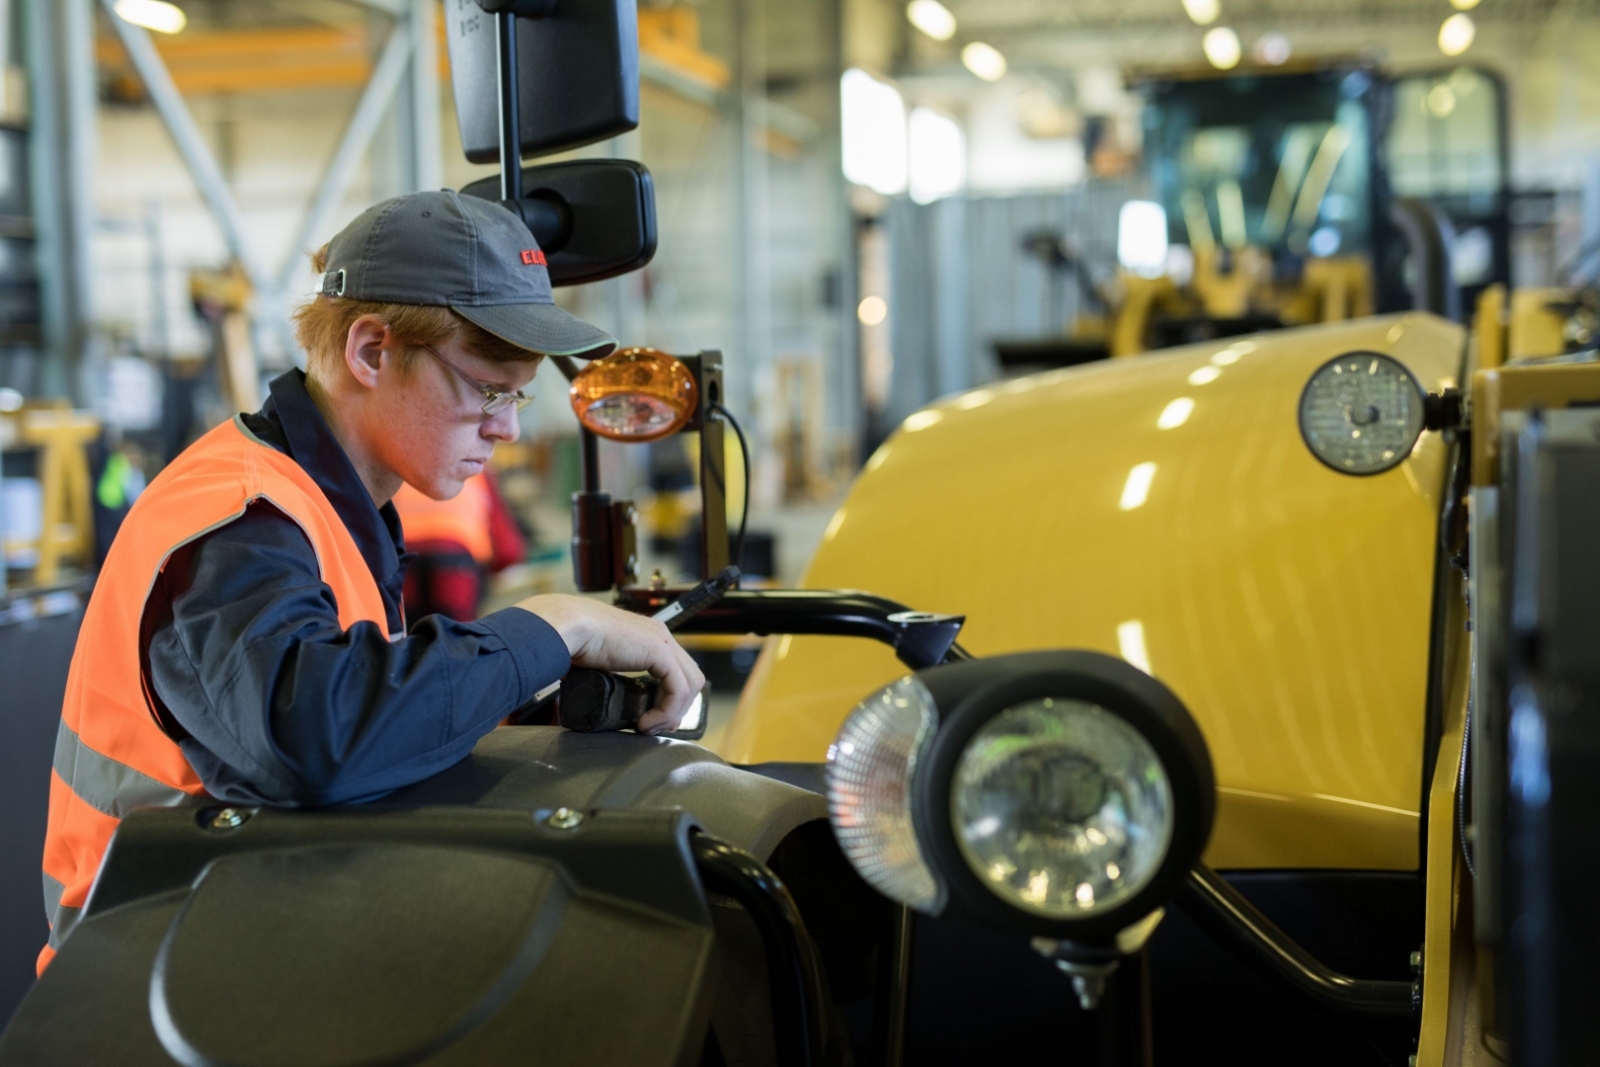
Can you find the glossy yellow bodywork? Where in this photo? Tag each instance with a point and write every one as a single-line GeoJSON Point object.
{"type": "Point", "coordinates": [1448, 1009]}
{"type": "Point", "coordinates": [1288, 605]}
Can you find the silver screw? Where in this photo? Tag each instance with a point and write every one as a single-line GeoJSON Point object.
{"type": "Point", "coordinates": [229, 819]}
{"type": "Point", "coordinates": [1416, 962]}
{"type": "Point", "coordinates": [564, 819]}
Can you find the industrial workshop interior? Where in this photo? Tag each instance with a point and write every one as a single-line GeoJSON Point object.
{"type": "Point", "coordinates": [799, 533]}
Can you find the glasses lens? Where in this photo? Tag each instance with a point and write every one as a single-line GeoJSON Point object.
{"type": "Point", "coordinates": [1062, 808]}
{"type": "Point", "coordinates": [498, 403]}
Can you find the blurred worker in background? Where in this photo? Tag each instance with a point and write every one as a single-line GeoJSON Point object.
{"type": "Point", "coordinates": [458, 543]}
{"type": "Point", "coordinates": [246, 640]}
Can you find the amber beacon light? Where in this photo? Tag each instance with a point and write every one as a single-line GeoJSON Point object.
{"type": "Point", "coordinates": [635, 394]}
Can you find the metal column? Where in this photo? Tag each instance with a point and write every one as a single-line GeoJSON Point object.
{"type": "Point", "coordinates": [353, 144]}
{"type": "Point", "coordinates": [190, 143]}
{"type": "Point", "coordinates": [426, 150]}
{"type": "Point", "coordinates": [753, 278]}
{"type": "Point", "coordinates": [61, 71]}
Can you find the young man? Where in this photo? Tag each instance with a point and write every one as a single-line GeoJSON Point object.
{"type": "Point", "coordinates": [245, 640]}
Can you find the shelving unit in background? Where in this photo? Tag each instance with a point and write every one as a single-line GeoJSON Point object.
{"type": "Point", "coordinates": [21, 332]}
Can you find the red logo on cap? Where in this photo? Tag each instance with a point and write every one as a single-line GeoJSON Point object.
{"type": "Point", "coordinates": [533, 257]}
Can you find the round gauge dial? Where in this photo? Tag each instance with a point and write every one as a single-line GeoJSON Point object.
{"type": "Point", "coordinates": [1361, 413]}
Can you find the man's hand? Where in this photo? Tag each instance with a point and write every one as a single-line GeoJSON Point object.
{"type": "Point", "coordinates": [610, 639]}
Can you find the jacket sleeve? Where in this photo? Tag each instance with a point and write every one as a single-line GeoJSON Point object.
{"type": "Point", "coordinates": [283, 706]}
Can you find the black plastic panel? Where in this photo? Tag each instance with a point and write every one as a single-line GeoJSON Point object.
{"type": "Point", "coordinates": [594, 218]}
{"type": "Point", "coordinates": [357, 937]}
{"type": "Point", "coordinates": [457, 933]}
{"type": "Point", "coordinates": [578, 71]}
{"type": "Point", "coordinates": [1552, 741]}
{"type": "Point", "coordinates": [523, 768]}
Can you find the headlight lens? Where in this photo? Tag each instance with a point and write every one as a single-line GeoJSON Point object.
{"type": "Point", "coordinates": [1361, 413]}
{"type": "Point", "coordinates": [1061, 808]}
{"type": "Point", "coordinates": [870, 767]}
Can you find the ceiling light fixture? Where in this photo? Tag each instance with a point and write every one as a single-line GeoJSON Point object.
{"type": "Point", "coordinates": [873, 132]}
{"type": "Point", "coordinates": [1222, 48]}
{"type": "Point", "coordinates": [1272, 50]}
{"type": "Point", "coordinates": [1202, 12]}
{"type": "Point", "coordinates": [1142, 238]}
{"type": "Point", "coordinates": [932, 18]}
{"type": "Point", "coordinates": [157, 15]}
{"type": "Point", "coordinates": [1440, 101]}
{"type": "Point", "coordinates": [1456, 34]}
{"type": "Point", "coordinates": [984, 60]}
{"type": "Point", "coordinates": [937, 155]}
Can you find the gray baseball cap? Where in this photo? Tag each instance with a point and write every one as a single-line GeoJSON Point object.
{"type": "Point", "coordinates": [470, 255]}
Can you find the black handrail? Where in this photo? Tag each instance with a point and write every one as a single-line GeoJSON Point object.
{"type": "Point", "coordinates": [797, 985]}
{"type": "Point", "coordinates": [1224, 912]}
{"type": "Point", "coordinates": [920, 639]}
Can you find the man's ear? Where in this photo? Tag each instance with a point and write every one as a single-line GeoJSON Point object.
{"type": "Point", "coordinates": [365, 347]}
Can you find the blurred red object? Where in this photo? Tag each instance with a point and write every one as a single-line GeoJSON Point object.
{"type": "Point", "coordinates": [458, 542]}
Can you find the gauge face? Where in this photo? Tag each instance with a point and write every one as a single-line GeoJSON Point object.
{"type": "Point", "coordinates": [1361, 413]}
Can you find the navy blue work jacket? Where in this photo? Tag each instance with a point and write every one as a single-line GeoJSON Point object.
{"type": "Point", "coordinates": [273, 701]}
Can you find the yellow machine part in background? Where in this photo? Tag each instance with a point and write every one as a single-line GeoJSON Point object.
{"type": "Point", "coordinates": [1329, 289]}
{"type": "Point", "coordinates": [1166, 510]}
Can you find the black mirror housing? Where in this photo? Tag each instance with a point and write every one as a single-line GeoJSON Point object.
{"type": "Point", "coordinates": [577, 75]}
{"type": "Point", "coordinates": [593, 218]}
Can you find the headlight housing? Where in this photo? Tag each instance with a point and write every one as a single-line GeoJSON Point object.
{"type": "Point", "coordinates": [1062, 794]}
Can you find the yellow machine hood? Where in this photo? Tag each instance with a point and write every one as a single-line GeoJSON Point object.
{"type": "Point", "coordinates": [1164, 509]}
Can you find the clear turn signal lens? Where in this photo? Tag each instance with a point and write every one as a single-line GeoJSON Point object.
{"type": "Point", "coordinates": [635, 395]}
{"type": "Point", "coordinates": [870, 767]}
{"type": "Point", "coordinates": [1061, 808]}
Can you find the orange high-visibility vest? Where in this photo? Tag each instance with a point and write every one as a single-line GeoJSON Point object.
{"type": "Point", "coordinates": [463, 519]}
{"type": "Point", "coordinates": [111, 753]}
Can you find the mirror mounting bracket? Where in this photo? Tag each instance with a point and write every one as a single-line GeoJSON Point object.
{"type": "Point", "coordinates": [523, 9]}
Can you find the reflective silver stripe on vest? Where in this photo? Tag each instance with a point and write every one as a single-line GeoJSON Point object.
{"type": "Point", "coordinates": [111, 788]}
{"type": "Point", "coordinates": [62, 920]}
{"type": "Point", "coordinates": [106, 785]}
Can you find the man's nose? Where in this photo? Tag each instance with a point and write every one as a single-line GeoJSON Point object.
{"type": "Point", "coordinates": [502, 426]}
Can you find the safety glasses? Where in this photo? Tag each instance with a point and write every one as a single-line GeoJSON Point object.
{"type": "Point", "coordinates": [494, 401]}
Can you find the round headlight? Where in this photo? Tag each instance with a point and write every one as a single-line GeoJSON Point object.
{"type": "Point", "coordinates": [1060, 794]}
{"type": "Point", "coordinates": [1061, 808]}
{"type": "Point", "coordinates": [1362, 412]}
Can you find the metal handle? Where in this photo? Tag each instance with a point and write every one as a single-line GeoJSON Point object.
{"type": "Point", "coordinates": [797, 985]}
{"type": "Point", "coordinates": [1240, 925]}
